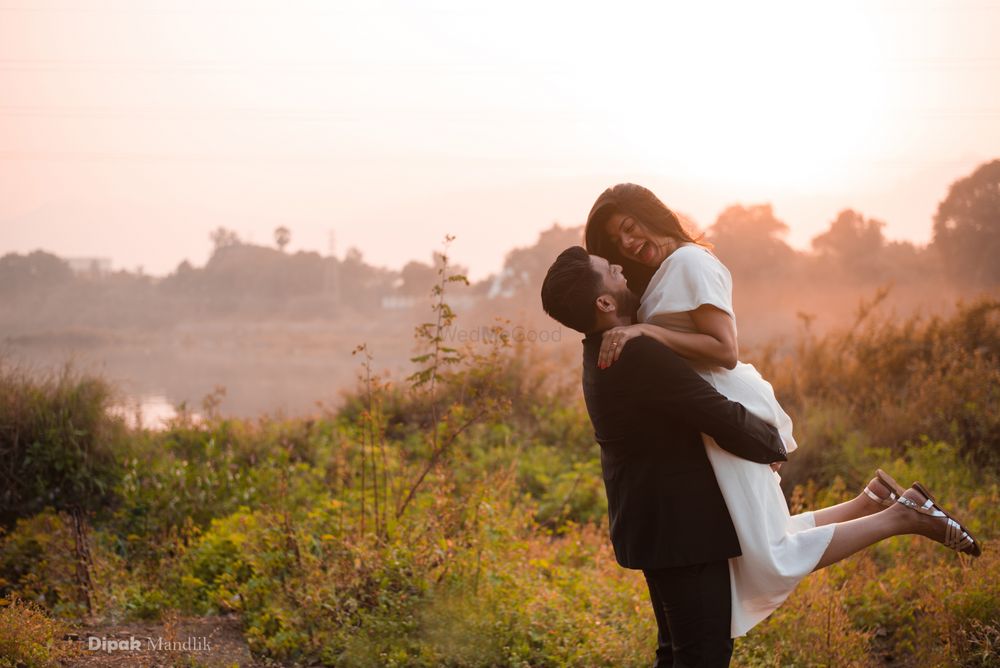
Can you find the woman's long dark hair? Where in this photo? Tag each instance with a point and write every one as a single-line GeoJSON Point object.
{"type": "Point", "coordinates": [644, 206]}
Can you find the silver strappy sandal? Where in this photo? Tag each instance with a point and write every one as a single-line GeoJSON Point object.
{"type": "Point", "coordinates": [956, 536]}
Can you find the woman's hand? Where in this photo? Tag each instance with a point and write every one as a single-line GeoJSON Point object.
{"type": "Point", "coordinates": [613, 342]}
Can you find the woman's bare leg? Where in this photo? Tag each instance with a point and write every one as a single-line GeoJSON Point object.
{"type": "Point", "coordinates": [857, 534]}
{"type": "Point", "coordinates": [859, 506]}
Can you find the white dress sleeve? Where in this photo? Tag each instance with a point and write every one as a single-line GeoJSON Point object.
{"type": "Point", "coordinates": [690, 277]}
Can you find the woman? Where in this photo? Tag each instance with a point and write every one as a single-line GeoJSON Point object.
{"type": "Point", "coordinates": [686, 304]}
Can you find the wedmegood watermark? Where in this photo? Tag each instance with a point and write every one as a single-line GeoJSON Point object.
{"type": "Point", "coordinates": [515, 334]}
{"type": "Point", "coordinates": [147, 644]}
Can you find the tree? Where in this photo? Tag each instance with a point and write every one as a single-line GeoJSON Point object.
{"type": "Point", "coordinates": [524, 268]}
{"type": "Point", "coordinates": [850, 234]}
{"type": "Point", "coordinates": [967, 226]}
{"type": "Point", "coordinates": [748, 240]}
{"type": "Point", "coordinates": [417, 278]}
{"type": "Point", "coordinates": [37, 270]}
{"type": "Point", "coordinates": [59, 445]}
{"type": "Point", "coordinates": [361, 284]}
{"type": "Point", "coordinates": [223, 238]}
{"type": "Point", "coordinates": [282, 236]}
{"type": "Point", "coordinates": [853, 243]}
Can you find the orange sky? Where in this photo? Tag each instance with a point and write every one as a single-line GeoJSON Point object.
{"type": "Point", "coordinates": [131, 128]}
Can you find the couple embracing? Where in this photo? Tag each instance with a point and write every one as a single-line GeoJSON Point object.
{"type": "Point", "coordinates": [691, 439]}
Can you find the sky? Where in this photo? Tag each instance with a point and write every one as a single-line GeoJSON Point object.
{"type": "Point", "coordinates": [130, 129]}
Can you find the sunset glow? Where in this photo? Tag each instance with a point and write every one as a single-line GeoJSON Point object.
{"type": "Point", "coordinates": [302, 361]}
{"type": "Point", "coordinates": [132, 128]}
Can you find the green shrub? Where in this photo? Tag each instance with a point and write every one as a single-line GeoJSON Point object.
{"type": "Point", "coordinates": [37, 563]}
{"type": "Point", "coordinates": [888, 382]}
{"type": "Point", "coordinates": [58, 440]}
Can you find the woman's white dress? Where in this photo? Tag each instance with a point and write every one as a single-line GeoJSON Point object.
{"type": "Point", "coordinates": [778, 549]}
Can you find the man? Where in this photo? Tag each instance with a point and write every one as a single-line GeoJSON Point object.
{"type": "Point", "coordinates": [649, 409]}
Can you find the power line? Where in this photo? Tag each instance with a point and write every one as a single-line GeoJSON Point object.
{"type": "Point", "coordinates": [362, 115]}
{"type": "Point", "coordinates": [278, 114]}
{"type": "Point", "coordinates": [333, 156]}
{"type": "Point", "coordinates": [74, 65]}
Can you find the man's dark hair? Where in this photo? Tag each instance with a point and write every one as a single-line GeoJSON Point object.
{"type": "Point", "coordinates": [570, 287]}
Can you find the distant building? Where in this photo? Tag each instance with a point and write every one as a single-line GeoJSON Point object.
{"type": "Point", "coordinates": [92, 266]}
{"type": "Point", "coordinates": [400, 302]}
{"type": "Point", "coordinates": [397, 302]}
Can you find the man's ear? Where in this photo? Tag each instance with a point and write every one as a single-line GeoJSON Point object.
{"type": "Point", "coordinates": [606, 304]}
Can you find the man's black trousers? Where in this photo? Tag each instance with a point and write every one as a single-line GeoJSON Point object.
{"type": "Point", "coordinates": [692, 607]}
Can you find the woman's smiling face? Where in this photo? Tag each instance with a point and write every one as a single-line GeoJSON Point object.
{"type": "Point", "coordinates": [634, 240]}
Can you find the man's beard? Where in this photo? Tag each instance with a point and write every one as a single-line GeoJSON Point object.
{"type": "Point", "coordinates": [628, 303]}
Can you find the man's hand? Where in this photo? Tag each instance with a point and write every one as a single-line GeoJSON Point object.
{"type": "Point", "coordinates": [612, 343]}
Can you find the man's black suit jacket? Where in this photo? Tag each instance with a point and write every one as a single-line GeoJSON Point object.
{"type": "Point", "coordinates": [649, 410]}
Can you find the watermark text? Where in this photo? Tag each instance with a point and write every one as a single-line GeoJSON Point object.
{"type": "Point", "coordinates": [515, 334]}
{"type": "Point", "coordinates": [133, 644]}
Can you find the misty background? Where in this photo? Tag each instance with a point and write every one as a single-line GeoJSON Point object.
{"type": "Point", "coordinates": [198, 194]}
{"type": "Point", "coordinates": [260, 329]}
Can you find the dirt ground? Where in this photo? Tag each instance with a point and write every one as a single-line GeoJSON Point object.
{"type": "Point", "coordinates": [202, 641]}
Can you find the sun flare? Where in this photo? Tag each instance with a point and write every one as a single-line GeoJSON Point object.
{"type": "Point", "coordinates": [787, 105]}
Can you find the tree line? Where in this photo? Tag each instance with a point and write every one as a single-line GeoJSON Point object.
{"type": "Point", "coordinates": [247, 280]}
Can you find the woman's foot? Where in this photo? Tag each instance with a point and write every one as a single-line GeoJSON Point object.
{"type": "Point", "coordinates": [931, 520]}
{"type": "Point", "coordinates": [883, 490]}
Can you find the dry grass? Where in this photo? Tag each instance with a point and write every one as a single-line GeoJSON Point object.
{"type": "Point", "coordinates": [29, 638]}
